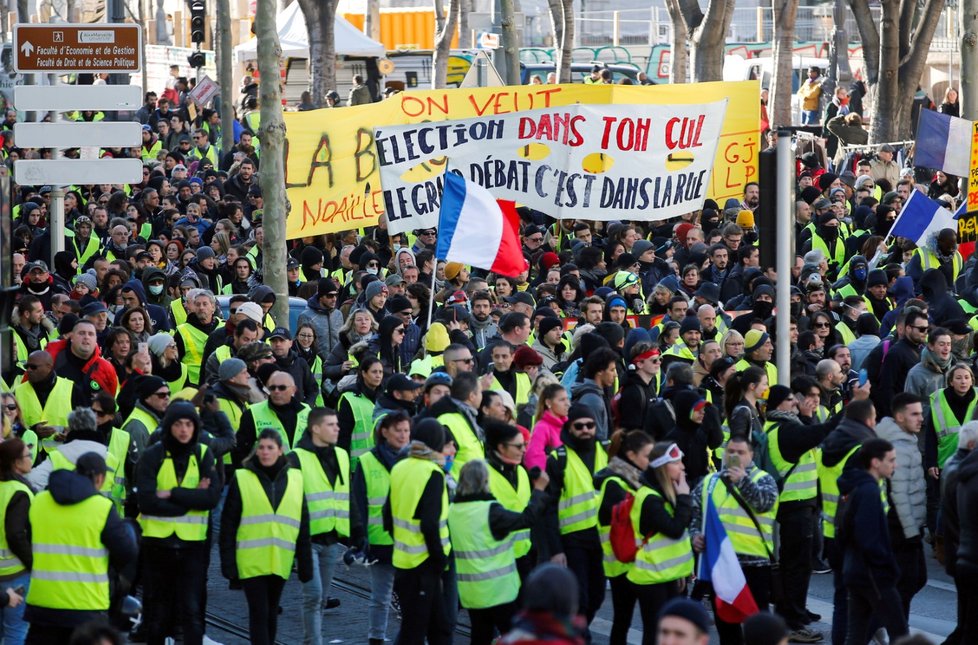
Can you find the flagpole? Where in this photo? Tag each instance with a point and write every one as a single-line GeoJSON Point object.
{"type": "Point", "coordinates": [431, 299]}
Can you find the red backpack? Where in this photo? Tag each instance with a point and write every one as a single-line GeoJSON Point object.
{"type": "Point", "coordinates": [622, 535]}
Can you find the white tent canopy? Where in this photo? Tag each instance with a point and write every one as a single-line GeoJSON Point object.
{"type": "Point", "coordinates": [294, 38]}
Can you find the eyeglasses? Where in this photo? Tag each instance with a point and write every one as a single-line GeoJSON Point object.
{"type": "Point", "coordinates": [399, 330]}
{"type": "Point", "coordinates": [464, 360]}
{"type": "Point", "coordinates": [821, 325]}
{"type": "Point", "coordinates": [922, 329]}
{"type": "Point", "coordinates": [518, 446]}
{"type": "Point", "coordinates": [277, 388]}
{"type": "Point", "coordinates": [31, 366]}
{"type": "Point", "coordinates": [332, 294]}
{"type": "Point", "coordinates": [307, 335]}
{"type": "Point", "coordinates": [162, 395]}
{"type": "Point", "coordinates": [585, 425]}
{"type": "Point", "coordinates": [425, 233]}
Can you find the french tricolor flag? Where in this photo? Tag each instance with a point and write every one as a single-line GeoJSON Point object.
{"type": "Point", "coordinates": [719, 565]}
{"type": "Point", "coordinates": [943, 143]}
{"type": "Point", "coordinates": [477, 229]}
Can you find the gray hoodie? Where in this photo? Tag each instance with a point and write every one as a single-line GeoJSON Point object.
{"type": "Point", "coordinates": [908, 487]}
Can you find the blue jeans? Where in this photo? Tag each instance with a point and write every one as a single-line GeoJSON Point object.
{"type": "Point", "coordinates": [381, 587]}
{"type": "Point", "coordinates": [809, 117]}
{"type": "Point", "coordinates": [14, 627]}
{"type": "Point", "coordinates": [324, 559]}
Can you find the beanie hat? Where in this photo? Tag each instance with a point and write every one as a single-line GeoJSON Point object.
{"type": "Point", "coordinates": [765, 628]}
{"type": "Point", "coordinates": [67, 324]}
{"type": "Point", "coordinates": [690, 323]}
{"type": "Point", "coordinates": [452, 269]}
{"type": "Point", "coordinates": [579, 411]}
{"type": "Point", "coordinates": [826, 180]}
{"type": "Point", "coordinates": [498, 432]}
{"type": "Point", "coordinates": [547, 260]}
{"type": "Point", "coordinates": [526, 356]}
{"type": "Point", "coordinates": [611, 332]}
{"type": "Point", "coordinates": [640, 247]}
{"type": "Point", "coordinates": [876, 277]}
{"type": "Point", "coordinates": [230, 368]}
{"type": "Point", "coordinates": [326, 285]}
{"type": "Point", "coordinates": [147, 385]}
{"type": "Point", "coordinates": [398, 303]}
{"type": "Point", "coordinates": [180, 410]}
{"type": "Point", "coordinates": [88, 280]}
{"type": "Point", "coordinates": [810, 194]}
{"type": "Point", "coordinates": [763, 290]}
{"type": "Point", "coordinates": [625, 260]}
{"type": "Point", "coordinates": [777, 395]}
{"type": "Point", "coordinates": [254, 351]}
{"type": "Point", "coordinates": [252, 311]}
{"type": "Point", "coordinates": [546, 324]}
{"type": "Point", "coordinates": [430, 433]}
{"type": "Point", "coordinates": [205, 252]}
{"type": "Point", "coordinates": [436, 339]}
{"type": "Point", "coordinates": [688, 610]}
{"type": "Point", "coordinates": [310, 256]}
{"type": "Point", "coordinates": [159, 342]}
{"type": "Point", "coordinates": [682, 231]}
{"type": "Point", "coordinates": [374, 289]}
{"type": "Point", "coordinates": [754, 339]}
{"type": "Point", "coordinates": [745, 219]}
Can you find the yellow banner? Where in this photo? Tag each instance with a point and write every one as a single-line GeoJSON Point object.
{"type": "Point", "coordinates": [331, 165]}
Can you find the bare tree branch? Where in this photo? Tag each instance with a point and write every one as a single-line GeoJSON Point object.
{"type": "Point", "coordinates": [870, 36]}
{"type": "Point", "coordinates": [443, 42]}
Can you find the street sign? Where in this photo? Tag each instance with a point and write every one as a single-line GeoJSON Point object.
{"type": "Point", "coordinates": [34, 172]}
{"type": "Point", "coordinates": [72, 134]}
{"type": "Point", "coordinates": [63, 98]}
{"type": "Point", "coordinates": [487, 40]}
{"type": "Point", "coordinates": [65, 49]}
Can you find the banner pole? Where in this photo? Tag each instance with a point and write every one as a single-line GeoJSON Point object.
{"type": "Point", "coordinates": [431, 299]}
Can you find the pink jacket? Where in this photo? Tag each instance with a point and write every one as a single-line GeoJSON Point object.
{"type": "Point", "coordinates": [544, 438]}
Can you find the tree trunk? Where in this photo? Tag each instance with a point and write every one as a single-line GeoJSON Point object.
{"type": "Point", "coordinates": [444, 30]}
{"type": "Point", "coordinates": [969, 59]}
{"type": "Point", "coordinates": [708, 35]}
{"type": "Point", "coordinates": [272, 176]}
{"type": "Point", "coordinates": [320, 16]}
{"type": "Point", "coordinates": [565, 48]}
{"type": "Point", "coordinates": [371, 20]}
{"type": "Point", "coordinates": [511, 43]}
{"type": "Point", "coordinates": [884, 124]}
{"type": "Point", "coordinates": [464, 31]}
{"type": "Point", "coordinates": [224, 75]}
{"type": "Point", "coordinates": [679, 57]}
{"type": "Point", "coordinates": [779, 100]}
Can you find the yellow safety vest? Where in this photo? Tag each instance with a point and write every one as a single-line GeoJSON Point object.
{"type": "Point", "coordinates": [329, 506]}
{"type": "Point", "coordinates": [264, 418]}
{"type": "Point", "coordinates": [743, 533]}
{"type": "Point", "coordinates": [661, 558]}
{"type": "Point", "coordinates": [10, 564]}
{"type": "Point", "coordinates": [55, 411]}
{"type": "Point", "coordinates": [361, 438]}
{"type": "Point", "coordinates": [192, 525]}
{"type": "Point", "coordinates": [828, 482]}
{"type": "Point", "coordinates": [946, 425]}
{"type": "Point", "coordinates": [266, 537]}
{"type": "Point", "coordinates": [802, 483]}
{"type": "Point", "coordinates": [523, 387]}
{"type": "Point", "coordinates": [378, 483]}
{"type": "Point", "coordinates": [194, 341]}
{"type": "Point", "coordinates": [486, 567]}
{"type": "Point", "coordinates": [513, 499]}
{"type": "Point", "coordinates": [577, 509]}
{"type": "Point", "coordinates": [769, 368]}
{"type": "Point", "coordinates": [71, 565]}
{"type": "Point", "coordinates": [118, 451]}
{"type": "Point", "coordinates": [468, 444]}
{"type": "Point", "coordinates": [928, 260]}
{"type": "Point", "coordinates": [408, 480]}
{"type": "Point", "coordinates": [91, 248]}
{"type": "Point", "coordinates": [835, 257]}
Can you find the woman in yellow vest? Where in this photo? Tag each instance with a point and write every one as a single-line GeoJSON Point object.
{"type": "Point", "coordinates": [370, 490]}
{"type": "Point", "coordinates": [509, 483]}
{"type": "Point", "coordinates": [483, 532]}
{"type": "Point", "coordinates": [264, 529]}
{"type": "Point", "coordinates": [306, 344]}
{"type": "Point", "coordinates": [178, 485]}
{"type": "Point", "coordinates": [628, 457]}
{"type": "Point", "coordinates": [660, 515]}
{"type": "Point", "coordinates": [15, 541]}
{"type": "Point", "coordinates": [356, 408]}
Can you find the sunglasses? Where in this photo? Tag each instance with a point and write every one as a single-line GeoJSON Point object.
{"type": "Point", "coordinates": [30, 366]}
{"type": "Point", "coordinates": [922, 329]}
{"type": "Point", "coordinates": [585, 425]}
{"type": "Point", "coordinates": [277, 388]}
{"type": "Point", "coordinates": [821, 324]}
{"type": "Point", "coordinates": [162, 395]}
{"type": "Point", "coordinates": [464, 360]}
{"type": "Point", "coordinates": [11, 406]}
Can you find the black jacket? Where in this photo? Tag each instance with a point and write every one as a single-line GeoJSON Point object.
{"type": "Point", "coordinates": [556, 465]}
{"type": "Point", "coordinates": [901, 356]}
{"type": "Point", "coordinates": [307, 390]}
{"type": "Point", "coordinates": [848, 435]}
{"type": "Point", "coordinates": [274, 482]}
{"type": "Point", "coordinates": [635, 400]}
{"type": "Point", "coordinates": [181, 500]}
{"type": "Point", "coordinates": [17, 527]}
{"type": "Point", "coordinates": [68, 488]}
{"type": "Point", "coordinates": [247, 437]}
{"type": "Point", "coordinates": [331, 467]}
{"type": "Point", "coordinates": [358, 498]}
{"type": "Point", "coordinates": [428, 514]}
{"type": "Point", "coordinates": [967, 498]}
{"type": "Point", "coordinates": [863, 534]}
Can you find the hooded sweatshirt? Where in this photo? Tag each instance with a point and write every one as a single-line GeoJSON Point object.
{"type": "Point", "coordinates": [908, 486]}
{"type": "Point", "coordinates": [868, 559]}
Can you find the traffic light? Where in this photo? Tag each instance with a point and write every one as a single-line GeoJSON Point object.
{"type": "Point", "coordinates": [196, 59]}
{"type": "Point", "coordinates": [197, 21]}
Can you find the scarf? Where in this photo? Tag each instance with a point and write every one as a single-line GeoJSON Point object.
{"type": "Point", "coordinates": [934, 363]}
{"type": "Point", "coordinates": [421, 450]}
{"type": "Point", "coordinates": [626, 471]}
{"type": "Point", "coordinates": [782, 415]}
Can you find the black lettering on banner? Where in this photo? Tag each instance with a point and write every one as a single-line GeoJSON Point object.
{"type": "Point", "coordinates": [364, 158]}
{"type": "Point", "coordinates": [317, 162]}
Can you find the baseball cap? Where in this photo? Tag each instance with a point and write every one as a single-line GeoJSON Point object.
{"type": "Point", "coordinates": [91, 464]}
{"type": "Point", "coordinates": [281, 332]}
{"type": "Point", "coordinates": [521, 297]}
{"type": "Point", "coordinates": [399, 382]}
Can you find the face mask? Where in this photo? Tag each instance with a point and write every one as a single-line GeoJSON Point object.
{"type": "Point", "coordinates": [372, 270]}
{"type": "Point", "coordinates": [156, 289]}
{"type": "Point", "coordinates": [398, 247]}
{"type": "Point", "coordinates": [859, 274]}
{"type": "Point", "coordinates": [449, 461]}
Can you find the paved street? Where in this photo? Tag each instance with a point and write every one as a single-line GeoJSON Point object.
{"type": "Point", "coordinates": [933, 610]}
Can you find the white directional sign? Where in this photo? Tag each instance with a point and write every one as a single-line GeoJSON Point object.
{"type": "Point", "coordinates": [78, 97]}
{"type": "Point", "coordinates": [69, 171]}
{"type": "Point", "coordinates": [70, 134]}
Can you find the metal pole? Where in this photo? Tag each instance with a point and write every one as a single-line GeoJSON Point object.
{"type": "Point", "coordinates": [57, 221]}
{"type": "Point", "coordinates": [785, 255]}
{"type": "Point", "coordinates": [431, 300]}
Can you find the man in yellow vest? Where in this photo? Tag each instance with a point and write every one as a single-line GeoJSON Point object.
{"type": "Point", "coordinates": [283, 411]}
{"type": "Point", "coordinates": [416, 514]}
{"type": "Point", "coordinates": [80, 436]}
{"type": "Point", "coordinates": [504, 377]}
{"type": "Point", "coordinates": [153, 395]}
{"type": "Point", "coordinates": [178, 485]}
{"type": "Point", "coordinates": [326, 481]}
{"type": "Point", "coordinates": [459, 414]}
{"type": "Point", "coordinates": [76, 534]}
{"type": "Point", "coordinates": [574, 541]}
{"type": "Point", "coordinates": [45, 398]}
{"type": "Point", "coordinates": [746, 499]}
{"type": "Point", "coordinates": [192, 335]}
{"type": "Point", "coordinates": [758, 350]}
{"type": "Point", "coordinates": [32, 331]}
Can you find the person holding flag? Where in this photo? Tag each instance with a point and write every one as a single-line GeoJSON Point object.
{"type": "Point", "coordinates": [733, 527]}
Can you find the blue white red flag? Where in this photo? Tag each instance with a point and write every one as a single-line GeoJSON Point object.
{"type": "Point", "coordinates": [921, 218]}
{"type": "Point", "coordinates": [943, 143]}
{"type": "Point", "coordinates": [475, 228]}
{"type": "Point", "coordinates": [734, 601]}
